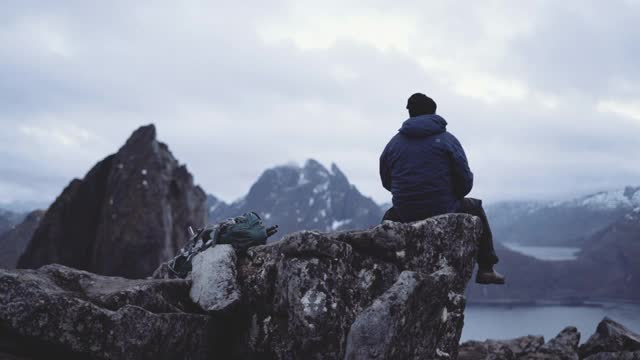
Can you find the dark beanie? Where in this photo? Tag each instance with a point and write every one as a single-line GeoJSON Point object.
{"type": "Point", "coordinates": [421, 104]}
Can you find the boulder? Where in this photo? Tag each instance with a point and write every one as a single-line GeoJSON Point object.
{"type": "Point", "coordinates": [214, 284]}
{"type": "Point", "coordinates": [500, 349]}
{"type": "Point", "coordinates": [522, 345]}
{"type": "Point", "coordinates": [481, 350]}
{"type": "Point", "coordinates": [610, 336]}
{"type": "Point", "coordinates": [622, 355]}
{"type": "Point", "coordinates": [60, 312]}
{"type": "Point", "coordinates": [563, 347]}
{"type": "Point", "coordinates": [128, 214]}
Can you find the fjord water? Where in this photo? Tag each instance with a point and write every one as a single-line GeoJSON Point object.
{"type": "Point", "coordinates": [545, 252]}
{"type": "Point", "coordinates": [483, 322]}
{"type": "Point", "coordinates": [509, 321]}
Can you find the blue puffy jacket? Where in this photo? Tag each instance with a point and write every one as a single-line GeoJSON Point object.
{"type": "Point", "coordinates": [425, 168]}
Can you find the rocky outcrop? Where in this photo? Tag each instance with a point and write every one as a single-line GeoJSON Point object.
{"type": "Point", "coordinates": [14, 241]}
{"type": "Point", "coordinates": [500, 349]}
{"type": "Point", "coordinates": [610, 337]}
{"type": "Point", "coordinates": [59, 312]}
{"type": "Point", "coordinates": [562, 347]}
{"type": "Point", "coordinates": [127, 215]}
{"type": "Point", "coordinates": [390, 292]}
{"type": "Point", "coordinates": [611, 341]}
{"type": "Point", "coordinates": [621, 355]}
{"type": "Point", "coordinates": [314, 293]}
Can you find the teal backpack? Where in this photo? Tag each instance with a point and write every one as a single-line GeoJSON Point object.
{"type": "Point", "coordinates": [241, 232]}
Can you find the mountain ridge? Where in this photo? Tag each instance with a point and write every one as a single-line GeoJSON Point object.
{"type": "Point", "coordinates": [560, 223]}
{"type": "Point", "coordinates": [307, 197]}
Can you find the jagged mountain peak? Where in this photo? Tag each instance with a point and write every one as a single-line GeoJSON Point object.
{"type": "Point", "coordinates": [290, 176]}
{"type": "Point", "coordinates": [128, 214]}
{"type": "Point", "coordinates": [144, 134]}
{"type": "Point", "coordinates": [308, 197]}
{"type": "Point", "coordinates": [312, 164]}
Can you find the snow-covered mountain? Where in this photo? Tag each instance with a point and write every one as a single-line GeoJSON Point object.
{"type": "Point", "coordinates": [309, 197]}
{"type": "Point", "coordinates": [562, 222]}
{"type": "Point", "coordinates": [627, 198]}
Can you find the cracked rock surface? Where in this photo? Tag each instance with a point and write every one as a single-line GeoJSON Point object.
{"type": "Point", "coordinates": [390, 292]}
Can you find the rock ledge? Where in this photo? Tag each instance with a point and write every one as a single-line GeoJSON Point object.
{"type": "Point", "coordinates": [394, 291]}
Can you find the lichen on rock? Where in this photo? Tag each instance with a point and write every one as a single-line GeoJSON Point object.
{"type": "Point", "coordinates": [390, 292]}
{"type": "Point", "coordinates": [214, 284]}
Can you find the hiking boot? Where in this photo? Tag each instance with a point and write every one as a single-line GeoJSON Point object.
{"type": "Point", "coordinates": [489, 276]}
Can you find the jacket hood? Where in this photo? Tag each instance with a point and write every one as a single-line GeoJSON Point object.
{"type": "Point", "coordinates": [423, 126]}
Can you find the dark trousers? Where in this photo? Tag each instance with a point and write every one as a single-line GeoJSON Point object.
{"type": "Point", "coordinates": [486, 253]}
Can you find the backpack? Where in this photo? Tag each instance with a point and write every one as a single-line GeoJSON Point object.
{"type": "Point", "coordinates": [241, 232]}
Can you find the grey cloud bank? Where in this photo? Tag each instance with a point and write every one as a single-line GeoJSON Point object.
{"type": "Point", "coordinates": [542, 96]}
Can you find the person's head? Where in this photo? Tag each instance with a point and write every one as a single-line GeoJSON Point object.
{"type": "Point", "coordinates": [421, 104]}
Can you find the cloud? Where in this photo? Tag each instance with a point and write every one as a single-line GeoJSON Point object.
{"type": "Point", "coordinates": [540, 94]}
{"type": "Point", "coordinates": [623, 108]}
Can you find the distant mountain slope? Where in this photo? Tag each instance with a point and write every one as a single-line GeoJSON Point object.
{"type": "Point", "coordinates": [607, 268]}
{"type": "Point", "coordinates": [617, 249]}
{"type": "Point", "coordinates": [23, 207]}
{"type": "Point", "coordinates": [14, 242]}
{"type": "Point", "coordinates": [560, 223]}
{"type": "Point", "coordinates": [310, 197]}
{"type": "Point", "coordinates": [9, 219]}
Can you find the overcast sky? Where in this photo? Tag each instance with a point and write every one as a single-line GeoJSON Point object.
{"type": "Point", "coordinates": [543, 95]}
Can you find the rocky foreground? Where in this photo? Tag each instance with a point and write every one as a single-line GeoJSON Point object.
{"type": "Point", "coordinates": [392, 292]}
{"type": "Point", "coordinates": [611, 341]}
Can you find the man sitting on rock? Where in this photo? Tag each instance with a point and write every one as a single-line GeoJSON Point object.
{"type": "Point", "coordinates": [426, 170]}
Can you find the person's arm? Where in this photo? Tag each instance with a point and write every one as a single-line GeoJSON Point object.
{"type": "Point", "coordinates": [462, 175]}
{"type": "Point", "coordinates": [385, 171]}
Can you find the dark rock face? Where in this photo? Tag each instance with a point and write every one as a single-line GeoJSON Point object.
{"type": "Point", "coordinates": [562, 347]}
{"type": "Point", "coordinates": [320, 296]}
{"type": "Point", "coordinates": [392, 292]}
{"type": "Point", "coordinates": [127, 215]}
{"type": "Point", "coordinates": [610, 337]}
{"type": "Point", "coordinates": [311, 197]}
{"type": "Point", "coordinates": [14, 242]}
{"type": "Point", "coordinates": [59, 312]}
{"type": "Point", "coordinates": [611, 341]}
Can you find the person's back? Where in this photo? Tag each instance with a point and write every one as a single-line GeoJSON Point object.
{"type": "Point", "coordinates": [427, 172]}
{"type": "Point", "coordinates": [425, 169]}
